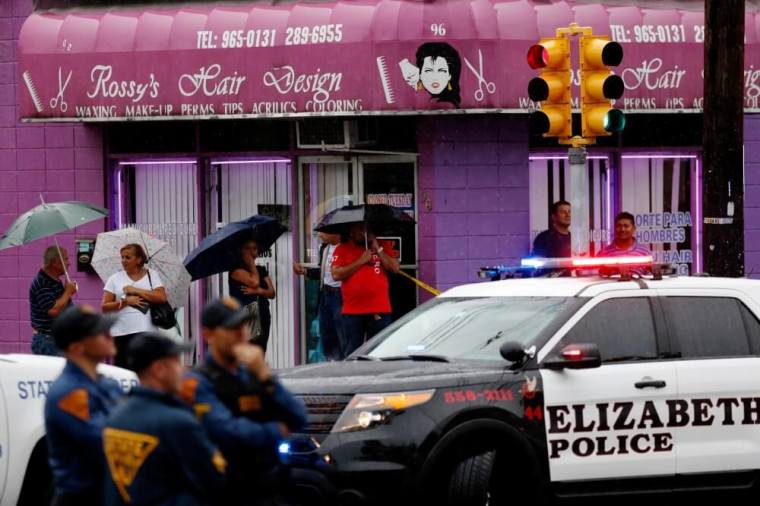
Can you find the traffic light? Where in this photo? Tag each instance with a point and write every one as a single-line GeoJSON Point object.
{"type": "Point", "coordinates": [552, 89]}
{"type": "Point", "coordinates": [599, 86]}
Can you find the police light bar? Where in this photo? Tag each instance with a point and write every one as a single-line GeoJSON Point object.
{"type": "Point", "coordinates": [587, 262]}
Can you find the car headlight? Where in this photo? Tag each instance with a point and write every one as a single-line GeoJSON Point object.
{"type": "Point", "coordinates": [367, 410]}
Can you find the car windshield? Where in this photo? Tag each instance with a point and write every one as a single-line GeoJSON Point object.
{"type": "Point", "coordinates": [470, 328]}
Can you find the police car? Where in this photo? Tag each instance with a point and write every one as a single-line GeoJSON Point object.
{"type": "Point", "coordinates": [542, 388]}
{"type": "Point", "coordinates": [24, 382]}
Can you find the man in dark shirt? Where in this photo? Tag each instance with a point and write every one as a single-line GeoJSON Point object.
{"type": "Point", "coordinates": [157, 451]}
{"type": "Point", "coordinates": [48, 296]}
{"type": "Point", "coordinates": [555, 242]}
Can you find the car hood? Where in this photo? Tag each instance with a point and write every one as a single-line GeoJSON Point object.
{"type": "Point", "coordinates": [354, 376]}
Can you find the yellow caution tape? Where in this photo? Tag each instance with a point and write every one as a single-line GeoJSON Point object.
{"type": "Point", "coordinates": [421, 284]}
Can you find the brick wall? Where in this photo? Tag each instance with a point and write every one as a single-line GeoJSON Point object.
{"type": "Point", "coordinates": [473, 196]}
{"type": "Point", "coordinates": [62, 162]}
{"type": "Point", "coordinates": [752, 195]}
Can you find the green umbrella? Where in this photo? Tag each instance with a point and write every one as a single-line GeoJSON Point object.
{"type": "Point", "coordinates": [49, 219]}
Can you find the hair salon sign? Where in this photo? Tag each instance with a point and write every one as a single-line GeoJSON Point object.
{"type": "Point", "coordinates": [261, 60]}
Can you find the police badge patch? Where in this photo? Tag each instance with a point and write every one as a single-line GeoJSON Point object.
{"type": "Point", "coordinates": [126, 452]}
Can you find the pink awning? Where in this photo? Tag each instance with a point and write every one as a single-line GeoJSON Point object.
{"type": "Point", "coordinates": [340, 58]}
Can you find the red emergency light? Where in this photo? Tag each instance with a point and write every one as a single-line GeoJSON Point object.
{"type": "Point", "coordinates": [588, 262]}
{"type": "Point", "coordinates": [612, 261]}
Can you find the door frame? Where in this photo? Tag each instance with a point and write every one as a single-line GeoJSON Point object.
{"type": "Point", "coordinates": [356, 161]}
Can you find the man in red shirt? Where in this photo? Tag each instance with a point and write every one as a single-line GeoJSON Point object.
{"type": "Point", "coordinates": [361, 265]}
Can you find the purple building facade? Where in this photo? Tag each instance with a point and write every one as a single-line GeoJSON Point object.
{"type": "Point", "coordinates": [478, 187]}
{"type": "Point", "coordinates": [752, 195]}
{"type": "Point", "coordinates": [61, 162]}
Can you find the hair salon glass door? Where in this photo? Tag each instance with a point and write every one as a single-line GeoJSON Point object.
{"type": "Point", "coordinates": [328, 183]}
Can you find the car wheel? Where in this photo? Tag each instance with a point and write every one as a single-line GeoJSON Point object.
{"type": "Point", "coordinates": [470, 483]}
{"type": "Point", "coordinates": [37, 488]}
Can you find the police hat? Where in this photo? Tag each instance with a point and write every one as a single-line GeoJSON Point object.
{"type": "Point", "coordinates": [78, 322]}
{"type": "Point", "coordinates": [146, 348]}
{"type": "Point", "coordinates": [224, 313]}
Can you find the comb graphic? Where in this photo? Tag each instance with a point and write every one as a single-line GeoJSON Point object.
{"type": "Point", "coordinates": [382, 68]}
{"type": "Point", "coordinates": [32, 91]}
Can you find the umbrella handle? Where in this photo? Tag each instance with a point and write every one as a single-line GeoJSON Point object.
{"type": "Point", "coordinates": [60, 257]}
{"type": "Point", "coordinates": [58, 249]}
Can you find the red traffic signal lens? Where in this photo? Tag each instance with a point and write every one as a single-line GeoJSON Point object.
{"type": "Point", "coordinates": [612, 54]}
{"type": "Point", "coordinates": [538, 89]}
{"type": "Point", "coordinates": [538, 56]}
{"type": "Point", "coordinates": [613, 87]}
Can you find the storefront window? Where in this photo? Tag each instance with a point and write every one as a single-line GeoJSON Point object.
{"type": "Point", "coordinates": [329, 183]}
{"type": "Point", "coordinates": [160, 199]}
{"type": "Point", "coordinates": [659, 190]}
{"type": "Point", "coordinates": [550, 182]}
{"type": "Point", "coordinates": [262, 186]}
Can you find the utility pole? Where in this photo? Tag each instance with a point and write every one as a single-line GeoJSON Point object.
{"type": "Point", "coordinates": [723, 138]}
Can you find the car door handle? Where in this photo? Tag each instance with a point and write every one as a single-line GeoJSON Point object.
{"type": "Point", "coordinates": [650, 384]}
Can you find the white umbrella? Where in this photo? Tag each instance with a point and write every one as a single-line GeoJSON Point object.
{"type": "Point", "coordinates": [161, 258]}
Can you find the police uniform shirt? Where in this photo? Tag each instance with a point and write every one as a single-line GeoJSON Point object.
{"type": "Point", "coordinates": [158, 453]}
{"type": "Point", "coordinates": [75, 412]}
{"type": "Point", "coordinates": [242, 419]}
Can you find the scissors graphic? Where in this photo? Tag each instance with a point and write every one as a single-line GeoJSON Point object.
{"type": "Point", "coordinates": [58, 99]}
{"type": "Point", "coordinates": [489, 86]}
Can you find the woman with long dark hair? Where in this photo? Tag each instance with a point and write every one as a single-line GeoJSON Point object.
{"type": "Point", "coordinates": [440, 67]}
{"type": "Point", "coordinates": [252, 286]}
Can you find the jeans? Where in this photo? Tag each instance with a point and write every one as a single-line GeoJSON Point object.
{"type": "Point", "coordinates": [43, 344]}
{"type": "Point", "coordinates": [331, 324]}
{"type": "Point", "coordinates": [358, 328]}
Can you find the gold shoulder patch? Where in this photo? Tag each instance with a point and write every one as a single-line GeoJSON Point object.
{"type": "Point", "coordinates": [219, 462]}
{"type": "Point", "coordinates": [248, 403]}
{"type": "Point", "coordinates": [187, 390]}
{"type": "Point", "coordinates": [125, 453]}
{"type": "Point", "coordinates": [77, 404]}
{"type": "Point", "coordinates": [201, 409]}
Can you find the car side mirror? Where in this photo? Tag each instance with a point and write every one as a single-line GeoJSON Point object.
{"type": "Point", "coordinates": [513, 352]}
{"type": "Point", "coordinates": [575, 356]}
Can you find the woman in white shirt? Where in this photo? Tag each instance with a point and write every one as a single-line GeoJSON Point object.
{"type": "Point", "coordinates": [130, 293]}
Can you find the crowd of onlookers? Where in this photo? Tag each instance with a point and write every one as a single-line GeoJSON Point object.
{"type": "Point", "coordinates": [354, 301]}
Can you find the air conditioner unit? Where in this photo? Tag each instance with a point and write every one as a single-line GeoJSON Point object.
{"type": "Point", "coordinates": [333, 133]}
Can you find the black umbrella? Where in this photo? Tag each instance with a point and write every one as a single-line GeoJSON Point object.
{"type": "Point", "coordinates": [382, 218]}
{"type": "Point", "coordinates": [220, 251]}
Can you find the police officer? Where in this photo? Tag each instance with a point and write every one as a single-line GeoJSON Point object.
{"type": "Point", "coordinates": [247, 412]}
{"type": "Point", "coordinates": [157, 451]}
{"type": "Point", "coordinates": [77, 405]}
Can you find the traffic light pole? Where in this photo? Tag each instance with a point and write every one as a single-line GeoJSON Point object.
{"type": "Point", "coordinates": [578, 200]}
{"type": "Point", "coordinates": [598, 88]}
{"type": "Point", "coordinates": [723, 138]}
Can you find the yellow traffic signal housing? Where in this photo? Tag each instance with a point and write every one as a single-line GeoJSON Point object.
{"type": "Point", "coordinates": [552, 89]}
{"type": "Point", "coordinates": [599, 86]}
